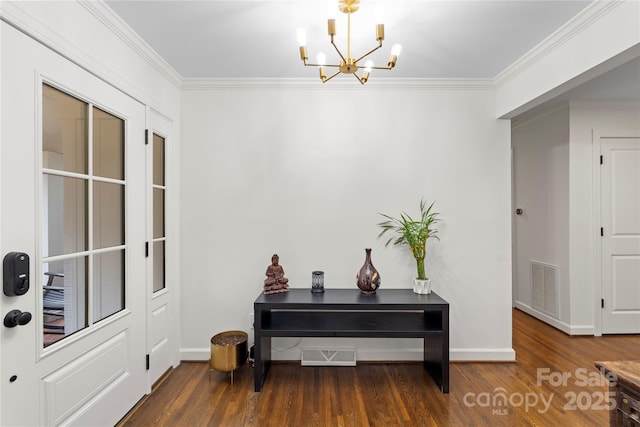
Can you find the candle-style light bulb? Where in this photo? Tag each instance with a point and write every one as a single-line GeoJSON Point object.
{"type": "Point", "coordinates": [367, 69]}
{"type": "Point", "coordinates": [396, 49]}
{"type": "Point", "coordinates": [378, 14]}
{"type": "Point", "coordinates": [368, 65]}
{"type": "Point", "coordinates": [321, 59]}
{"type": "Point", "coordinates": [302, 36]}
{"type": "Point", "coordinates": [332, 9]}
{"type": "Point", "coordinates": [302, 44]}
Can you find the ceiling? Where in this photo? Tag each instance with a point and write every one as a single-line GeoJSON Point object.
{"type": "Point", "coordinates": [441, 39]}
{"type": "Point", "coordinates": [257, 38]}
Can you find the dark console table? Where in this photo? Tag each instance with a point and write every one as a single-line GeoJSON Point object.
{"type": "Point", "coordinates": [389, 313]}
{"type": "Point", "coordinates": [624, 388]}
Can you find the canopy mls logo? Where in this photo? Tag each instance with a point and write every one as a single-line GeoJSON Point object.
{"type": "Point", "coordinates": [500, 401]}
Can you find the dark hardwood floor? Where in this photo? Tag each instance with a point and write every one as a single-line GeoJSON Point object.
{"type": "Point", "coordinates": [553, 383]}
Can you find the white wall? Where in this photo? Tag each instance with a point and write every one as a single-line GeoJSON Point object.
{"type": "Point", "coordinates": [302, 171]}
{"type": "Point", "coordinates": [541, 189]}
{"type": "Point", "coordinates": [554, 178]}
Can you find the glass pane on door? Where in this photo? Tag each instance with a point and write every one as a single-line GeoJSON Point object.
{"type": "Point", "coordinates": [63, 298]}
{"type": "Point", "coordinates": [108, 215]}
{"type": "Point", "coordinates": [158, 160]}
{"type": "Point", "coordinates": [108, 145]}
{"type": "Point", "coordinates": [64, 131]}
{"type": "Point", "coordinates": [158, 266]}
{"type": "Point", "coordinates": [65, 216]}
{"type": "Point", "coordinates": [158, 213]}
{"type": "Point", "coordinates": [108, 283]}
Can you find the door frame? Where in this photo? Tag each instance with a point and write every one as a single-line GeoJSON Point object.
{"type": "Point", "coordinates": [597, 136]}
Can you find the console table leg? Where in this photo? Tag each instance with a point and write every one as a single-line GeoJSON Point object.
{"type": "Point", "coordinates": [262, 350]}
{"type": "Point", "coordinates": [436, 361]}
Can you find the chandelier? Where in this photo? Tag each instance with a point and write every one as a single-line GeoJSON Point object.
{"type": "Point", "coordinates": [347, 65]}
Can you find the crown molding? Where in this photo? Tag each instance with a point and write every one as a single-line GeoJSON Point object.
{"type": "Point", "coordinates": [592, 13]}
{"type": "Point", "coordinates": [345, 84]}
{"type": "Point", "coordinates": [119, 28]}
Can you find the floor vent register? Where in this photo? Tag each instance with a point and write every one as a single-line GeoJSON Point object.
{"type": "Point", "coordinates": [328, 357]}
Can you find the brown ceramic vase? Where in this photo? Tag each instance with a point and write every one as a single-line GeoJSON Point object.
{"type": "Point", "coordinates": [368, 278]}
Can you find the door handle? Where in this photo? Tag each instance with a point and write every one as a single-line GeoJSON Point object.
{"type": "Point", "coordinates": [16, 317]}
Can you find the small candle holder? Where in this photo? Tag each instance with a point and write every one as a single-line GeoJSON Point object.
{"type": "Point", "coordinates": [317, 282]}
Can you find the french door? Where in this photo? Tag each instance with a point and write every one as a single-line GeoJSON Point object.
{"type": "Point", "coordinates": [161, 338]}
{"type": "Point", "coordinates": [73, 189]}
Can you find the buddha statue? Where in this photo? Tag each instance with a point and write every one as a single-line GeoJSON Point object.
{"type": "Point", "coordinates": [275, 281]}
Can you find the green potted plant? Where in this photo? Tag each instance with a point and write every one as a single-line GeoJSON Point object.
{"type": "Point", "coordinates": [414, 233]}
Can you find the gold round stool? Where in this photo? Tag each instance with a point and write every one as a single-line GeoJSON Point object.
{"type": "Point", "coordinates": [228, 351]}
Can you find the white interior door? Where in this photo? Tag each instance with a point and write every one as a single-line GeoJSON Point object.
{"type": "Point", "coordinates": [80, 214]}
{"type": "Point", "coordinates": [620, 211]}
{"type": "Point", "coordinates": [161, 339]}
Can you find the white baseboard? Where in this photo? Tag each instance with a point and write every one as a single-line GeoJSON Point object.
{"type": "Point", "coordinates": [564, 327]}
{"type": "Point", "coordinates": [371, 354]}
{"type": "Point", "coordinates": [188, 354]}
{"type": "Point", "coordinates": [482, 355]}
{"type": "Point", "coordinates": [582, 330]}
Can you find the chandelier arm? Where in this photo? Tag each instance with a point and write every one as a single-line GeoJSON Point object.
{"type": "Point", "coordinates": [338, 50]}
{"type": "Point", "coordinates": [321, 65]}
{"type": "Point", "coordinates": [369, 53]}
{"type": "Point", "coordinates": [381, 68]}
{"type": "Point", "coordinates": [331, 76]}
{"type": "Point", "coordinates": [358, 77]}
